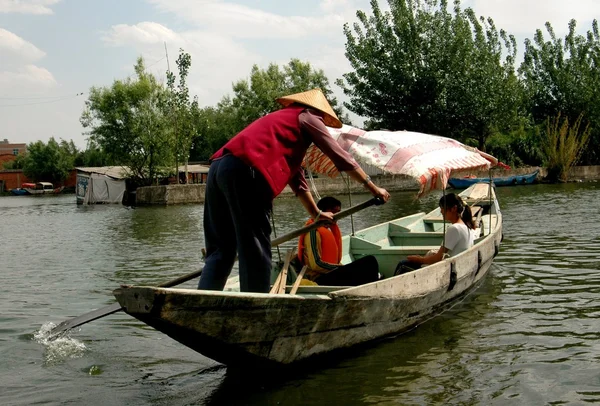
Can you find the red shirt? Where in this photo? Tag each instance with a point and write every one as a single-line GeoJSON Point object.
{"type": "Point", "coordinates": [275, 145]}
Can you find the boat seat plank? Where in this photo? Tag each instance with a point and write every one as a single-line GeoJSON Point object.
{"type": "Point", "coordinates": [438, 219]}
{"type": "Point", "coordinates": [479, 191]}
{"type": "Point", "coordinates": [417, 234]}
{"type": "Point", "coordinates": [397, 250]}
{"type": "Point", "coordinates": [396, 229]}
{"type": "Point", "coordinates": [361, 243]}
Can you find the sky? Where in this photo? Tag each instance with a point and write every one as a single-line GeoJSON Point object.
{"type": "Point", "coordinates": [53, 51]}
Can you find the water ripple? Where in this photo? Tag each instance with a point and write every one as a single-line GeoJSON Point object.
{"type": "Point", "coordinates": [60, 349]}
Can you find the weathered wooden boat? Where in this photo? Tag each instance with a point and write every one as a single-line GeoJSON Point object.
{"type": "Point", "coordinates": [463, 183]}
{"type": "Point", "coordinates": [244, 328]}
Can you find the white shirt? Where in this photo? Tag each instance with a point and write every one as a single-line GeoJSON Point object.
{"type": "Point", "coordinates": [459, 238]}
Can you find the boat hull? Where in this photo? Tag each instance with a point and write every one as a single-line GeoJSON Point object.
{"type": "Point", "coordinates": [249, 328]}
{"type": "Point", "coordinates": [463, 183]}
{"type": "Point", "coordinates": [19, 192]}
{"type": "Point", "coordinates": [285, 329]}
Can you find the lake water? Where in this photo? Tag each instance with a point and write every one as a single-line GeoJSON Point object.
{"type": "Point", "coordinates": [529, 335]}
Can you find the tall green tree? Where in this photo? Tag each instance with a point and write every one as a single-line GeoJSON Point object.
{"type": "Point", "coordinates": [256, 97]}
{"type": "Point", "coordinates": [182, 109]}
{"type": "Point", "coordinates": [424, 68]}
{"type": "Point", "coordinates": [562, 77]}
{"type": "Point", "coordinates": [129, 121]}
{"type": "Point", "coordinates": [48, 162]}
{"type": "Point", "coordinates": [93, 156]}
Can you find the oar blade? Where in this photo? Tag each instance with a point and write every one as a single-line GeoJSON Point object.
{"type": "Point", "coordinates": [83, 319]}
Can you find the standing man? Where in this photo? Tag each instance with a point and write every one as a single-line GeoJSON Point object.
{"type": "Point", "coordinates": [250, 171]}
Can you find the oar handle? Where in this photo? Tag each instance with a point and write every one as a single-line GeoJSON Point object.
{"type": "Point", "coordinates": [344, 213]}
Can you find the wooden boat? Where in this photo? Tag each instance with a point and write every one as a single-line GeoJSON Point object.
{"type": "Point", "coordinates": [43, 188]}
{"type": "Point", "coordinates": [463, 183]}
{"type": "Point", "coordinates": [245, 328]}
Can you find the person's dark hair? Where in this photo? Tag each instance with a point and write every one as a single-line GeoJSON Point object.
{"type": "Point", "coordinates": [328, 203]}
{"type": "Point", "coordinates": [450, 200]}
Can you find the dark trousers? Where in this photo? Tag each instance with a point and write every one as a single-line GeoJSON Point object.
{"type": "Point", "coordinates": [363, 270]}
{"type": "Point", "coordinates": [237, 210]}
{"type": "Point", "coordinates": [406, 266]}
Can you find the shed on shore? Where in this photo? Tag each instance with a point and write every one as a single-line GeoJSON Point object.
{"type": "Point", "coordinates": [197, 173]}
{"type": "Point", "coordinates": [104, 184]}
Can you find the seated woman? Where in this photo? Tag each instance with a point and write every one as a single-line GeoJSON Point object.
{"type": "Point", "coordinates": [321, 251]}
{"type": "Point", "coordinates": [460, 236]}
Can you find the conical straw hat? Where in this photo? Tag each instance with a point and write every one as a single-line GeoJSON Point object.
{"type": "Point", "coordinates": [316, 99]}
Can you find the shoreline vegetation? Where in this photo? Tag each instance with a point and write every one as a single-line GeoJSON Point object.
{"type": "Point", "coordinates": [427, 66]}
{"type": "Point", "coordinates": [194, 193]}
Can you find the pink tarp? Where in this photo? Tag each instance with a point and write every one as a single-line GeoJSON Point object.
{"type": "Point", "coordinates": [429, 159]}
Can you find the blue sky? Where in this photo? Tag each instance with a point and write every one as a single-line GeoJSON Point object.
{"type": "Point", "coordinates": [53, 50]}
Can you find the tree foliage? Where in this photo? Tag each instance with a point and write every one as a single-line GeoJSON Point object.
{"type": "Point", "coordinates": [562, 77]}
{"type": "Point", "coordinates": [129, 121]}
{"type": "Point", "coordinates": [182, 109]}
{"type": "Point", "coordinates": [49, 162]}
{"type": "Point", "coordinates": [421, 67]}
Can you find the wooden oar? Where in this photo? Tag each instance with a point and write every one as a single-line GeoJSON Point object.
{"type": "Point", "coordinates": [279, 285]}
{"type": "Point", "coordinates": [105, 311]}
{"type": "Point", "coordinates": [298, 281]}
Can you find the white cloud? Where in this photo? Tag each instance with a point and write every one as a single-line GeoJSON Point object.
{"type": "Point", "coordinates": [26, 78]}
{"type": "Point", "coordinates": [19, 73]}
{"type": "Point", "coordinates": [524, 17]}
{"type": "Point", "coordinates": [27, 6]}
{"type": "Point", "coordinates": [216, 59]}
{"type": "Point", "coordinates": [240, 21]}
{"type": "Point", "coordinates": [13, 47]}
{"type": "Point", "coordinates": [141, 33]}
{"type": "Point", "coordinates": [225, 34]}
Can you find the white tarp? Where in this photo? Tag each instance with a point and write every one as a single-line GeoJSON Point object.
{"type": "Point", "coordinates": [428, 159]}
{"type": "Point", "coordinates": [104, 189]}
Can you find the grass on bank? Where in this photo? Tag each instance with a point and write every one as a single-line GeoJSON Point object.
{"type": "Point", "coordinates": [563, 146]}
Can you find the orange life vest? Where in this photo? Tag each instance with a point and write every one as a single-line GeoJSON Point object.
{"type": "Point", "coordinates": [331, 244]}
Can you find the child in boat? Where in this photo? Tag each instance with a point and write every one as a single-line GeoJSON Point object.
{"type": "Point", "coordinates": [460, 236]}
{"type": "Point", "coordinates": [321, 251]}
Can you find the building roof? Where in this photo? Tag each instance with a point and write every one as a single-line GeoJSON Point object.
{"type": "Point", "coordinates": [116, 172]}
{"type": "Point", "coordinates": [195, 168]}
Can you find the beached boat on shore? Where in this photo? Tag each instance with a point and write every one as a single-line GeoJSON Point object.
{"type": "Point", "coordinates": [43, 188]}
{"type": "Point", "coordinates": [238, 328]}
{"type": "Point", "coordinates": [527, 179]}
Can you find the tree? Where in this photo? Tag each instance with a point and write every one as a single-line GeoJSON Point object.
{"type": "Point", "coordinates": [17, 163]}
{"type": "Point", "coordinates": [420, 67]}
{"type": "Point", "coordinates": [129, 121]}
{"type": "Point", "coordinates": [182, 109]}
{"type": "Point", "coordinates": [255, 98]}
{"type": "Point", "coordinates": [47, 162]}
{"type": "Point", "coordinates": [561, 77]}
{"type": "Point", "coordinates": [93, 156]}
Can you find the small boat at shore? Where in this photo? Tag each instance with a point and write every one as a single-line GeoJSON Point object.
{"type": "Point", "coordinates": [43, 188]}
{"type": "Point", "coordinates": [463, 183]}
{"type": "Point", "coordinates": [237, 328]}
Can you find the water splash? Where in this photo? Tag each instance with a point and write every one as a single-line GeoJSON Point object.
{"type": "Point", "coordinates": [59, 349]}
